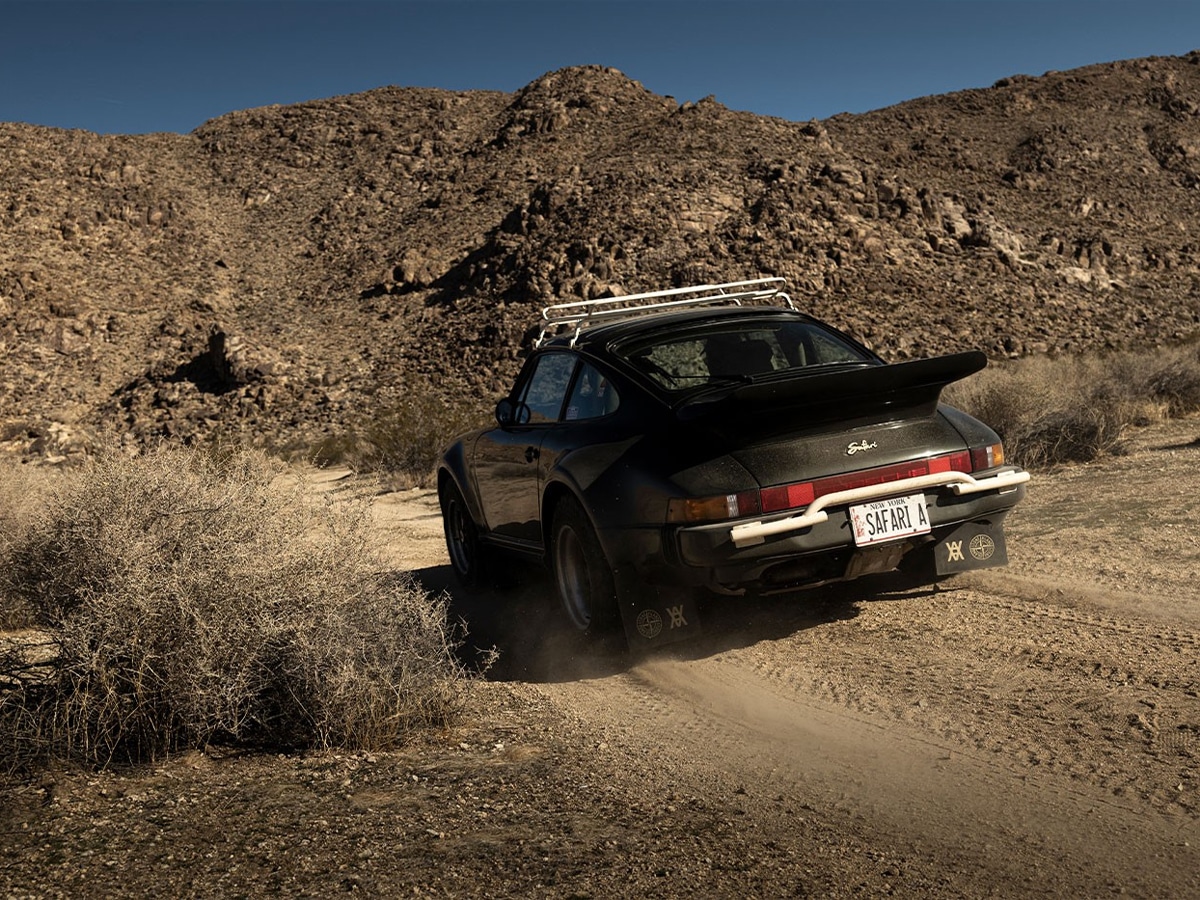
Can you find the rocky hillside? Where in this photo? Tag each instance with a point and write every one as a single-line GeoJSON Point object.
{"type": "Point", "coordinates": [281, 274]}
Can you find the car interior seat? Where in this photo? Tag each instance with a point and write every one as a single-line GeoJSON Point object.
{"type": "Point", "coordinates": [728, 356]}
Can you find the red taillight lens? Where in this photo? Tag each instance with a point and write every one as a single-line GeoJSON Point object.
{"type": "Point", "coordinates": [799, 494]}
{"type": "Point", "coordinates": [788, 496]}
{"type": "Point", "coordinates": [959, 462]}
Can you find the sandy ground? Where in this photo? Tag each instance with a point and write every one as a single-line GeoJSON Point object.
{"type": "Point", "coordinates": [1030, 731]}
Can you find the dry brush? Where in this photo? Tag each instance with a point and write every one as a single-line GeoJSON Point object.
{"type": "Point", "coordinates": [190, 598]}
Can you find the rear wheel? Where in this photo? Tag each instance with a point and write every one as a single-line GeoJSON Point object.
{"type": "Point", "coordinates": [462, 537]}
{"type": "Point", "coordinates": [582, 576]}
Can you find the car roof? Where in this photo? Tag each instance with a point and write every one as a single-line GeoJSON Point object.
{"type": "Point", "coordinates": [600, 336]}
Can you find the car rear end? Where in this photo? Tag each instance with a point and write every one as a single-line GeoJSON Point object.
{"type": "Point", "coordinates": [828, 466]}
{"type": "Point", "coordinates": [944, 510]}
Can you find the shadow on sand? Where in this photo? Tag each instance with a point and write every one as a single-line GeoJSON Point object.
{"type": "Point", "coordinates": [534, 643]}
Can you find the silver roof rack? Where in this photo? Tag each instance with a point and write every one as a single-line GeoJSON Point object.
{"type": "Point", "coordinates": [579, 314]}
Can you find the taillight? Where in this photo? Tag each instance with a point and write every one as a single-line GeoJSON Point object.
{"type": "Point", "coordinates": [710, 509]}
{"type": "Point", "coordinates": [788, 496]}
{"type": "Point", "coordinates": [987, 457]}
{"type": "Point", "coordinates": [799, 494]}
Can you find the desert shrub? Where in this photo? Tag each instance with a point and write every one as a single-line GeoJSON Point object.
{"type": "Point", "coordinates": [405, 440]}
{"type": "Point", "coordinates": [22, 490]}
{"type": "Point", "coordinates": [1167, 378]}
{"type": "Point", "coordinates": [1074, 409]}
{"type": "Point", "coordinates": [193, 599]}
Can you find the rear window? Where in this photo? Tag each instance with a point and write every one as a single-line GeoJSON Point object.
{"type": "Point", "coordinates": [725, 352]}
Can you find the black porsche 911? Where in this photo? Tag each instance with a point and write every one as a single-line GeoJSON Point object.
{"type": "Point", "coordinates": [716, 438]}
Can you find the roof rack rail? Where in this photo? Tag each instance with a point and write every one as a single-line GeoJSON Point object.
{"type": "Point", "coordinates": [579, 314]}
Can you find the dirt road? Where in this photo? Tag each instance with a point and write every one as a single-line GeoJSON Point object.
{"type": "Point", "coordinates": [1020, 731]}
{"type": "Point", "coordinates": [1030, 731]}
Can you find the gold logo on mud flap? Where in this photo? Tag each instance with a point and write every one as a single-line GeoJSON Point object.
{"type": "Point", "coordinates": [649, 623]}
{"type": "Point", "coordinates": [982, 547]}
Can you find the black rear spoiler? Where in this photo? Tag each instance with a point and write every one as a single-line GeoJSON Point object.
{"type": "Point", "coordinates": [809, 399]}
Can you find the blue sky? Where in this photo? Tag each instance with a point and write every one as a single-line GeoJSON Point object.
{"type": "Point", "coordinates": [136, 67]}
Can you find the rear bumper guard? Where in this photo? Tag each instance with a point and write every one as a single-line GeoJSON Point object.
{"type": "Point", "coordinates": [750, 533]}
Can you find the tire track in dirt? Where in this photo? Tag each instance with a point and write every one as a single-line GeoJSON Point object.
{"type": "Point", "coordinates": [985, 817]}
{"type": "Point", "coordinates": [1021, 738]}
{"type": "Point", "coordinates": [1055, 692]}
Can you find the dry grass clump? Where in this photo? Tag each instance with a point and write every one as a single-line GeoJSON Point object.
{"type": "Point", "coordinates": [23, 489]}
{"type": "Point", "coordinates": [405, 440]}
{"type": "Point", "coordinates": [190, 599]}
{"type": "Point", "coordinates": [1074, 409]}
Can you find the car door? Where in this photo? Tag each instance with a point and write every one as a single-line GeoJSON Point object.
{"type": "Point", "coordinates": [508, 464]}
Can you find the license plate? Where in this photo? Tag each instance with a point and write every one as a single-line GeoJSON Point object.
{"type": "Point", "coordinates": [887, 520]}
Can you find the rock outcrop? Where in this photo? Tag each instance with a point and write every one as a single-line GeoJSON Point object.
{"type": "Point", "coordinates": [282, 274]}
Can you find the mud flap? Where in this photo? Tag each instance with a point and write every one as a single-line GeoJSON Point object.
{"type": "Point", "coordinates": [654, 616]}
{"type": "Point", "coordinates": [975, 545]}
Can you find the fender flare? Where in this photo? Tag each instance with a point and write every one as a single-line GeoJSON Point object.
{"type": "Point", "coordinates": [453, 469]}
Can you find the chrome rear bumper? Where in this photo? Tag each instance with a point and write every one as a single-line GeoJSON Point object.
{"type": "Point", "coordinates": [747, 534]}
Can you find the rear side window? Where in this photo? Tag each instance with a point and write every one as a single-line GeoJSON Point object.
{"type": "Point", "coordinates": [722, 352]}
{"type": "Point", "coordinates": [592, 396]}
{"type": "Point", "coordinates": [547, 387]}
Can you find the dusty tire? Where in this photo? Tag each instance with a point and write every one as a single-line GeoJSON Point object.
{"type": "Point", "coordinates": [583, 579]}
{"type": "Point", "coordinates": [467, 557]}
